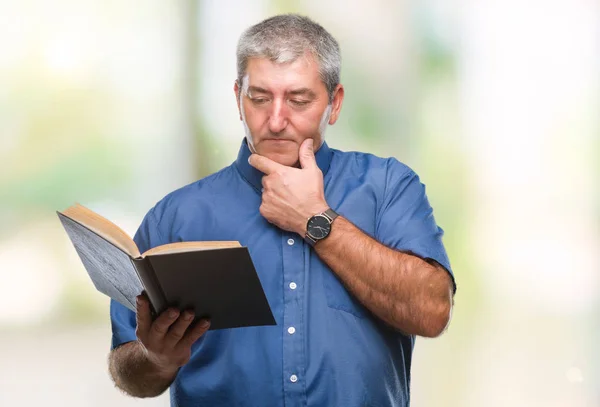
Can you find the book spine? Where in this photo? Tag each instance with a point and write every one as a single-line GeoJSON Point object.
{"type": "Point", "coordinates": [158, 300]}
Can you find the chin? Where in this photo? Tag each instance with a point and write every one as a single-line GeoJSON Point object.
{"type": "Point", "coordinates": [289, 160]}
{"type": "Point", "coordinates": [281, 154]}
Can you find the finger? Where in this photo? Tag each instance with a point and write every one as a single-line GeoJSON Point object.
{"type": "Point", "coordinates": [142, 315]}
{"type": "Point", "coordinates": [161, 325]}
{"type": "Point", "coordinates": [307, 154]}
{"type": "Point", "coordinates": [267, 182]}
{"type": "Point", "coordinates": [195, 333]}
{"type": "Point", "coordinates": [264, 164]}
{"type": "Point", "coordinates": [177, 330]}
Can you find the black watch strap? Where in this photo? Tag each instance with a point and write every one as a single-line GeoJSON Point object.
{"type": "Point", "coordinates": [331, 214]}
{"type": "Point", "coordinates": [309, 240]}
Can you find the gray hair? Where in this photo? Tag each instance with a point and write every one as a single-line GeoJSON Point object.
{"type": "Point", "coordinates": [285, 38]}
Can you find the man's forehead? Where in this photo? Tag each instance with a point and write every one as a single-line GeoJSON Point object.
{"type": "Point", "coordinates": [272, 71]}
{"type": "Point", "coordinates": [290, 82]}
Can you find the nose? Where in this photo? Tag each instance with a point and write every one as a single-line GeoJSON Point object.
{"type": "Point", "coordinates": [278, 119]}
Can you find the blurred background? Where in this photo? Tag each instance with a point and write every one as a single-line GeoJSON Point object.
{"type": "Point", "coordinates": [495, 104]}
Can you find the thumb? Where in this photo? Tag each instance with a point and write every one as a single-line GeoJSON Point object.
{"type": "Point", "coordinates": [307, 154]}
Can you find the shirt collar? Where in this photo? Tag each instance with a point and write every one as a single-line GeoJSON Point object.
{"type": "Point", "coordinates": [254, 176]}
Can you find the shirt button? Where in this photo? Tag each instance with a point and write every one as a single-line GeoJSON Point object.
{"type": "Point", "coordinates": [291, 330]}
{"type": "Point", "coordinates": [293, 285]}
{"type": "Point", "coordinates": [290, 242]}
{"type": "Point", "coordinates": [293, 378]}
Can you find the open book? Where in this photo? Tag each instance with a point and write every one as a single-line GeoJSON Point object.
{"type": "Point", "coordinates": [215, 279]}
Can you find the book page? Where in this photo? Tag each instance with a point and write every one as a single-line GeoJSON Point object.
{"type": "Point", "coordinates": [190, 247]}
{"type": "Point", "coordinates": [109, 268]}
{"type": "Point", "coordinates": [103, 227]}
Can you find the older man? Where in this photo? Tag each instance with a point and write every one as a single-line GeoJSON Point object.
{"type": "Point", "coordinates": [345, 245]}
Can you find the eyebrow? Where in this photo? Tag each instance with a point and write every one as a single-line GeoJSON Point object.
{"type": "Point", "coordinates": [303, 91]}
{"type": "Point", "coordinates": [295, 92]}
{"type": "Point", "coordinates": [257, 89]}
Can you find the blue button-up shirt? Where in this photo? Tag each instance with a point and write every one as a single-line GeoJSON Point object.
{"type": "Point", "coordinates": [327, 349]}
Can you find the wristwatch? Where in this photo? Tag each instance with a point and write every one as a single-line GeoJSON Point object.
{"type": "Point", "coordinates": [318, 227]}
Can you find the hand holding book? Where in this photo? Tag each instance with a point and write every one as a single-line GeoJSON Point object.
{"type": "Point", "coordinates": [169, 338]}
{"type": "Point", "coordinates": [182, 275]}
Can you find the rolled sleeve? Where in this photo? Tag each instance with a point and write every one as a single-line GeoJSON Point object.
{"type": "Point", "coordinates": [406, 222]}
{"type": "Point", "coordinates": [123, 321]}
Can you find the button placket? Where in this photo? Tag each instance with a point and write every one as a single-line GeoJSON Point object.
{"type": "Point", "coordinates": [293, 353]}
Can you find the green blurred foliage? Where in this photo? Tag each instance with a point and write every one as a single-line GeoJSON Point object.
{"type": "Point", "coordinates": [64, 152]}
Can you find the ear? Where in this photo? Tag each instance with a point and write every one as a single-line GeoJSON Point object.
{"type": "Point", "coordinates": [336, 104]}
{"type": "Point", "coordinates": [237, 90]}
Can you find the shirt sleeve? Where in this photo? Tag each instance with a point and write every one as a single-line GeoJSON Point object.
{"type": "Point", "coordinates": [122, 318]}
{"type": "Point", "coordinates": [406, 221]}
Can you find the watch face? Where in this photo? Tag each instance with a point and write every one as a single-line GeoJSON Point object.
{"type": "Point", "coordinates": [318, 227]}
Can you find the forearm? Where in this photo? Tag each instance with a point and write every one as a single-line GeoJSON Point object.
{"type": "Point", "coordinates": [135, 374]}
{"type": "Point", "coordinates": [405, 291]}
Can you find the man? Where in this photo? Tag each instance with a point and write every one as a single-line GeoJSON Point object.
{"type": "Point", "coordinates": [345, 245]}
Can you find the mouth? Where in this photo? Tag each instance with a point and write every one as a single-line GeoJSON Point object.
{"type": "Point", "coordinates": [278, 140]}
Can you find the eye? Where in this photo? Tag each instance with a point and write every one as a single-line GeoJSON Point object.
{"type": "Point", "coordinates": [259, 101]}
{"type": "Point", "coordinates": [299, 103]}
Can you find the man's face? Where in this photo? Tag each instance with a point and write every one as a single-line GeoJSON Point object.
{"type": "Point", "coordinates": [282, 105]}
